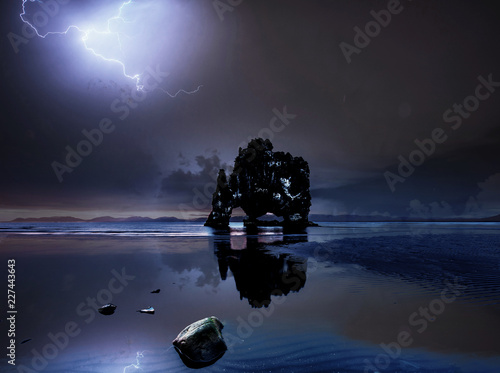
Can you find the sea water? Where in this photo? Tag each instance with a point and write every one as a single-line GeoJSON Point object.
{"type": "Point", "coordinates": [342, 297]}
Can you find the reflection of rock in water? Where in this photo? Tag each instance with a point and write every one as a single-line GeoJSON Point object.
{"type": "Point", "coordinates": [258, 274]}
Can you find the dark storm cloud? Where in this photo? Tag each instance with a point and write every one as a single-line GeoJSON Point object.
{"type": "Point", "coordinates": [184, 185]}
{"type": "Point", "coordinates": [353, 119]}
{"type": "Point", "coordinates": [449, 185]}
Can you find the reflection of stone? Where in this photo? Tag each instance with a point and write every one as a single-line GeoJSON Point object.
{"type": "Point", "coordinates": [258, 274]}
{"type": "Point", "coordinates": [263, 181]}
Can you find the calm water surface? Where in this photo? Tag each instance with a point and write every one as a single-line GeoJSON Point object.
{"type": "Point", "coordinates": [343, 297]}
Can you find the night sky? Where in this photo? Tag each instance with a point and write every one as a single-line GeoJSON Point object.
{"type": "Point", "coordinates": [404, 122]}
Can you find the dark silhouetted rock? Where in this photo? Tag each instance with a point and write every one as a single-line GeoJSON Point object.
{"type": "Point", "coordinates": [263, 182]}
{"type": "Point", "coordinates": [201, 343]}
{"type": "Point", "coordinates": [107, 309]}
{"type": "Point", "coordinates": [222, 203]}
{"type": "Point", "coordinates": [155, 291]}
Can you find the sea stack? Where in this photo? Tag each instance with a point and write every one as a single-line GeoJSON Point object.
{"type": "Point", "coordinates": [263, 182]}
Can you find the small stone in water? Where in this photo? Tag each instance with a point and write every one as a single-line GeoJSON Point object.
{"type": "Point", "coordinates": [107, 309]}
{"type": "Point", "coordinates": [149, 310]}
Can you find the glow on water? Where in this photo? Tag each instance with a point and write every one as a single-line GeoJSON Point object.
{"type": "Point", "coordinates": [300, 302]}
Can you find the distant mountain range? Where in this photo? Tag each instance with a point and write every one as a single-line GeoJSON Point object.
{"type": "Point", "coordinates": [380, 218]}
{"type": "Point", "coordinates": [100, 219]}
{"type": "Point", "coordinates": [312, 217]}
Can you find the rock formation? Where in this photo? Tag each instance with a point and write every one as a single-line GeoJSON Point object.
{"type": "Point", "coordinates": [263, 182]}
{"type": "Point", "coordinates": [201, 343]}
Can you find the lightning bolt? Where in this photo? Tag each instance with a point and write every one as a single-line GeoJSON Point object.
{"type": "Point", "coordinates": [137, 365]}
{"type": "Point", "coordinates": [180, 91]}
{"type": "Point", "coordinates": [107, 31]}
{"type": "Point", "coordinates": [138, 358]}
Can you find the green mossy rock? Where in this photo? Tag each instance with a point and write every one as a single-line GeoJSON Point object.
{"type": "Point", "coordinates": [202, 341]}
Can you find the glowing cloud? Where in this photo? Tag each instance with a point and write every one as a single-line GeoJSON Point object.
{"type": "Point", "coordinates": [105, 43]}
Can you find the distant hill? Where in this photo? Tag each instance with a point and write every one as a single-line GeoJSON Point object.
{"type": "Point", "coordinates": [100, 219]}
{"type": "Point", "coordinates": [380, 218]}
{"type": "Point", "coordinates": [495, 218]}
{"type": "Point", "coordinates": [52, 219]}
{"type": "Point", "coordinates": [111, 219]}
{"type": "Point", "coordinates": [350, 218]}
{"type": "Point", "coordinates": [312, 217]}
